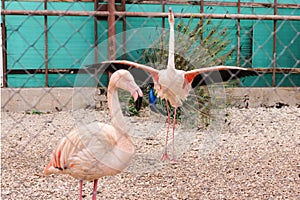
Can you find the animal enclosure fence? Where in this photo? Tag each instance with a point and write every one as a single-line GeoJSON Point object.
{"type": "Point", "coordinates": [250, 150]}
{"type": "Point", "coordinates": [45, 43]}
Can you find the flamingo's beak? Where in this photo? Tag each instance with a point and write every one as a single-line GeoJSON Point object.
{"type": "Point", "coordinates": [171, 16]}
{"type": "Point", "coordinates": [138, 103]}
{"type": "Point", "coordinates": [138, 98]}
{"type": "Point", "coordinates": [137, 94]}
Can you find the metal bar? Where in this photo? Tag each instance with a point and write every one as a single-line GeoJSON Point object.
{"type": "Point", "coordinates": [238, 62]}
{"type": "Point", "coordinates": [202, 3]}
{"type": "Point", "coordinates": [250, 4]}
{"type": "Point", "coordinates": [123, 5]}
{"type": "Point", "coordinates": [43, 71]}
{"type": "Point", "coordinates": [279, 70]}
{"type": "Point", "coordinates": [169, 2]}
{"type": "Point", "coordinates": [217, 16]}
{"type": "Point", "coordinates": [96, 2]}
{"type": "Point", "coordinates": [201, 11]}
{"type": "Point", "coordinates": [150, 14]}
{"type": "Point", "coordinates": [274, 46]}
{"type": "Point", "coordinates": [163, 25]}
{"type": "Point", "coordinates": [111, 30]}
{"type": "Point", "coordinates": [55, 13]}
{"type": "Point", "coordinates": [4, 45]}
{"type": "Point", "coordinates": [80, 70]}
{"type": "Point", "coordinates": [163, 9]}
{"type": "Point", "coordinates": [46, 45]}
{"type": "Point", "coordinates": [218, 3]}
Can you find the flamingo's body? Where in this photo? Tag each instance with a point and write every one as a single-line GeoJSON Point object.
{"type": "Point", "coordinates": [174, 85]}
{"type": "Point", "coordinates": [97, 149]}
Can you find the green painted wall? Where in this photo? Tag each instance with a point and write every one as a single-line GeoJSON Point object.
{"type": "Point", "coordinates": [71, 41]}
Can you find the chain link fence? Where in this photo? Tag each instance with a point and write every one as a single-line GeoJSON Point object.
{"type": "Point", "coordinates": [234, 140]}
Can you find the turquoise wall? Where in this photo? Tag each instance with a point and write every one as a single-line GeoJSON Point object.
{"type": "Point", "coordinates": [71, 41]}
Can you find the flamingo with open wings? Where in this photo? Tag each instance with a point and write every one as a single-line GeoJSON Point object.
{"type": "Point", "coordinates": [174, 85]}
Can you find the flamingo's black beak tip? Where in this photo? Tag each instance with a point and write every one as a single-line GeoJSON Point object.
{"type": "Point", "coordinates": [170, 10]}
{"type": "Point", "coordinates": [138, 103]}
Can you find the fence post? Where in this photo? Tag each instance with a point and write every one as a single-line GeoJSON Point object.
{"type": "Point", "coordinates": [201, 11]}
{"type": "Point", "coordinates": [238, 61]}
{"type": "Point", "coordinates": [4, 45]}
{"type": "Point", "coordinates": [123, 5]}
{"type": "Point", "coordinates": [96, 2]}
{"type": "Point", "coordinates": [274, 46]}
{"type": "Point", "coordinates": [46, 45]}
{"type": "Point", "coordinates": [111, 30]}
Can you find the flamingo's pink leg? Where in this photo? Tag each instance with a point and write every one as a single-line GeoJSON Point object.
{"type": "Point", "coordinates": [165, 154]}
{"type": "Point", "coordinates": [174, 124]}
{"type": "Point", "coordinates": [80, 190]}
{"type": "Point", "coordinates": [95, 190]}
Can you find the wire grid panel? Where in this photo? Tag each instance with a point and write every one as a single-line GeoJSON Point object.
{"type": "Point", "coordinates": [244, 152]}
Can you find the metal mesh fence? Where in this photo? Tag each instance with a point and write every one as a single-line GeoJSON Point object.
{"type": "Point", "coordinates": [233, 140]}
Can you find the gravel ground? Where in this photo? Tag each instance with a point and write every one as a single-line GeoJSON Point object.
{"type": "Point", "coordinates": [256, 155]}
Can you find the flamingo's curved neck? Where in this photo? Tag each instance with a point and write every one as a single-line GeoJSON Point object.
{"type": "Point", "coordinates": [124, 149]}
{"type": "Point", "coordinates": [117, 118]}
{"type": "Point", "coordinates": [171, 64]}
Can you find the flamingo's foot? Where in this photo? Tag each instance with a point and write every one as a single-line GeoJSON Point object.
{"type": "Point", "coordinates": [173, 161]}
{"type": "Point", "coordinates": [165, 156]}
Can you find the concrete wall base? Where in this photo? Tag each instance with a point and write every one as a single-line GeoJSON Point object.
{"type": "Point", "coordinates": [263, 97]}
{"type": "Point", "coordinates": [57, 99]}
{"type": "Point", "coordinates": [46, 99]}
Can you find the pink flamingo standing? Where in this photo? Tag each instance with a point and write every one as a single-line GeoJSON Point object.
{"type": "Point", "coordinates": [174, 85]}
{"type": "Point", "coordinates": [96, 150]}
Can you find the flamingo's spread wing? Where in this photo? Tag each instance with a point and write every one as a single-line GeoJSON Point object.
{"type": "Point", "coordinates": [114, 65]}
{"type": "Point", "coordinates": [217, 74]}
